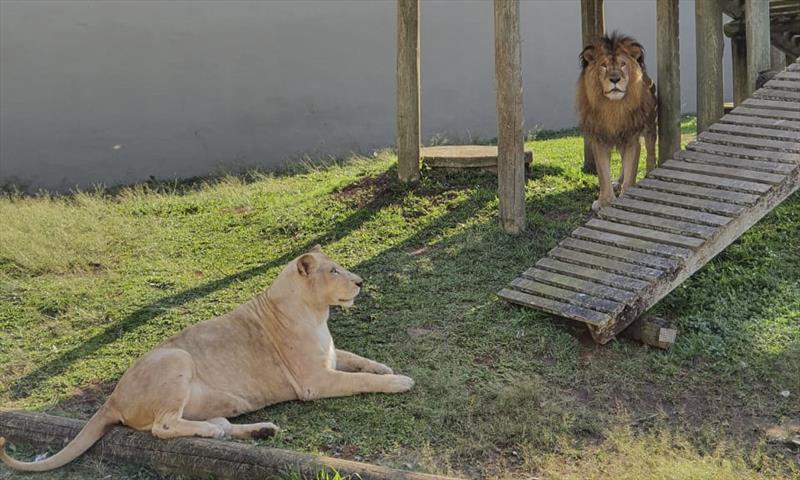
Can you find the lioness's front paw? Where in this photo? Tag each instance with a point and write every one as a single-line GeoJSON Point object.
{"type": "Point", "coordinates": [399, 383]}
{"type": "Point", "coordinates": [378, 368]}
{"type": "Point", "coordinates": [215, 431]}
{"type": "Point", "coordinates": [599, 204]}
{"type": "Point", "coordinates": [264, 430]}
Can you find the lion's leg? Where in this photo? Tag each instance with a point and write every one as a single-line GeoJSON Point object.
{"type": "Point", "coordinates": [602, 160]}
{"type": "Point", "coordinates": [333, 383]}
{"type": "Point", "coordinates": [350, 362]}
{"type": "Point", "coordinates": [171, 425]}
{"type": "Point", "coordinates": [630, 163]}
{"type": "Point", "coordinates": [206, 402]}
{"type": "Point", "coordinates": [248, 430]}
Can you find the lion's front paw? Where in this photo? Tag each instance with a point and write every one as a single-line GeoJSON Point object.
{"type": "Point", "coordinates": [399, 383]}
{"type": "Point", "coordinates": [378, 368]}
{"type": "Point", "coordinates": [597, 205]}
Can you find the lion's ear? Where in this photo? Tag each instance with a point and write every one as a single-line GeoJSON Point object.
{"type": "Point", "coordinates": [637, 52]}
{"type": "Point", "coordinates": [587, 56]}
{"type": "Point", "coordinates": [316, 249]}
{"type": "Point", "coordinates": [306, 264]}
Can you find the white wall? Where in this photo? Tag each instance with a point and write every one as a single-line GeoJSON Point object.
{"type": "Point", "coordinates": [187, 88]}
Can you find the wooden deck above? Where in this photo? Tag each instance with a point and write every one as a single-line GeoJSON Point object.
{"type": "Point", "coordinates": [630, 255]}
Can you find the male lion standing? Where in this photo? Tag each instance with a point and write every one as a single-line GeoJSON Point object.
{"type": "Point", "coordinates": [616, 103]}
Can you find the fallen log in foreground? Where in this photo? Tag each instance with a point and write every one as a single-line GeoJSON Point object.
{"type": "Point", "coordinates": [193, 456]}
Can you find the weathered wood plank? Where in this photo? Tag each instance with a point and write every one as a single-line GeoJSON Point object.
{"type": "Point", "coordinates": [699, 192]}
{"type": "Point", "coordinates": [669, 78]}
{"type": "Point", "coordinates": [795, 67]}
{"type": "Point", "coordinates": [593, 25]}
{"type": "Point", "coordinates": [711, 206]}
{"type": "Point", "coordinates": [657, 223]}
{"type": "Point", "coordinates": [567, 296]}
{"type": "Point", "coordinates": [766, 113]}
{"type": "Point", "coordinates": [592, 274]}
{"type": "Point", "coordinates": [630, 256]}
{"type": "Point", "coordinates": [580, 285]}
{"type": "Point", "coordinates": [788, 75]}
{"type": "Point", "coordinates": [747, 164]}
{"type": "Point", "coordinates": [408, 97]}
{"type": "Point", "coordinates": [764, 144]}
{"type": "Point", "coordinates": [779, 84]}
{"type": "Point", "coordinates": [667, 211]}
{"type": "Point", "coordinates": [607, 264]}
{"type": "Point", "coordinates": [709, 46]}
{"type": "Point", "coordinates": [744, 152]}
{"type": "Point", "coordinates": [777, 123]}
{"type": "Point", "coordinates": [770, 104]}
{"type": "Point", "coordinates": [709, 180]}
{"type": "Point", "coordinates": [510, 139]}
{"type": "Point", "coordinates": [637, 244]}
{"type": "Point", "coordinates": [193, 457]}
{"type": "Point", "coordinates": [756, 20]}
{"type": "Point", "coordinates": [557, 308]}
{"type": "Point", "coordinates": [649, 234]}
{"type": "Point", "coordinates": [783, 135]}
{"type": "Point", "coordinates": [726, 172]}
{"type": "Point", "coordinates": [781, 95]}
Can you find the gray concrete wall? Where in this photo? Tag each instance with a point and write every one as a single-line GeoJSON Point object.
{"type": "Point", "coordinates": [115, 92]}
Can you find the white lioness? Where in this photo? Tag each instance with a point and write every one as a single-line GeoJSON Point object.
{"type": "Point", "coordinates": [274, 348]}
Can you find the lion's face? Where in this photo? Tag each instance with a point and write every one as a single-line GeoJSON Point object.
{"type": "Point", "coordinates": [613, 66]}
{"type": "Point", "coordinates": [328, 283]}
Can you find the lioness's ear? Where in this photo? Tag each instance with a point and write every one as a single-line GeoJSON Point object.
{"type": "Point", "coordinates": [306, 264]}
{"type": "Point", "coordinates": [637, 51]}
{"type": "Point", "coordinates": [586, 56]}
{"type": "Point", "coordinates": [316, 249]}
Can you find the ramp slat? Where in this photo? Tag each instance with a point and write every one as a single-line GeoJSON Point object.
{"type": "Point", "coordinates": [677, 213]}
{"type": "Point", "coordinates": [645, 233]}
{"type": "Point", "coordinates": [567, 296]}
{"type": "Point", "coordinates": [579, 285]}
{"type": "Point", "coordinates": [744, 152]}
{"type": "Point", "coordinates": [683, 201]}
{"type": "Point", "coordinates": [699, 192]}
{"type": "Point", "coordinates": [599, 276]}
{"type": "Point", "coordinates": [783, 135]}
{"type": "Point", "coordinates": [788, 76]}
{"type": "Point", "coordinates": [778, 123]}
{"type": "Point", "coordinates": [780, 84]}
{"type": "Point", "coordinates": [607, 264]}
{"type": "Point", "coordinates": [745, 110]}
{"type": "Point", "coordinates": [774, 94]}
{"type": "Point", "coordinates": [635, 244]}
{"type": "Point", "coordinates": [769, 104]}
{"type": "Point", "coordinates": [630, 256]}
{"type": "Point", "coordinates": [723, 161]}
{"type": "Point", "coordinates": [725, 172]}
{"type": "Point", "coordinates": [657, 223]}
{"type": "Point", "coordinates": [669, 175]}
{"type": "Point", "coordinates": [574, 312]}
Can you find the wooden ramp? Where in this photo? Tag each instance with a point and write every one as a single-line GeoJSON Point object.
{"type": "Point", "coordinates": [633, 253]}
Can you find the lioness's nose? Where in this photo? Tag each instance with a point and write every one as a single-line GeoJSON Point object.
{"type": "Point", "coordinates": [614, 77]}
{"type": "Point", "coordinates": [359, 282]}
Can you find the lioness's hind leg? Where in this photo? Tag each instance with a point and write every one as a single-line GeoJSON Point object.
{"type": "Point", "coordinates": [248, 430]}
{"type": "Point", "coordinates": [171, 426]}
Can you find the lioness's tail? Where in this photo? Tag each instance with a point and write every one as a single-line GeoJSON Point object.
{"type": "Point", "coordinates": [94, 429]}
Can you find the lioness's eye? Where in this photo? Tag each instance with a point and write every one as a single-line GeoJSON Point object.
{"type": "Point", "coordinates": [334, 271]}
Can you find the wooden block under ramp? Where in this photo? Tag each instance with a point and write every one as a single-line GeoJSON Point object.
{"type": "Point", "coordinates": [653, 331]}
{"type": "Point", "coordinates": [465, 156]}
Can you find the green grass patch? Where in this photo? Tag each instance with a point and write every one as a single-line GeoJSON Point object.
{"type": "Point", "coordinates": [91, 281]}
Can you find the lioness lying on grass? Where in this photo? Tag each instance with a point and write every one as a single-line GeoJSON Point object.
{"type": "Point", "coordinates": [274, 348]}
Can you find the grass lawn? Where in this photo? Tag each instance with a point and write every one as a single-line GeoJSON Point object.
{"type": "Point", "coordinates": [89, 282]}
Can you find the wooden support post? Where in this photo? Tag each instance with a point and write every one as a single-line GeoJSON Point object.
{"type": "Point", "coordinates": [777, 59]}
{"type": "Point", "coordinates": [408, 108]}
{"type": "Point", "coordinates": [756, 17]}
{"type": "Point", "coordinates": [669, 79]}
{"type": "Point", "coordinates": [593, 25]}
{"type": "Point", "coordinates": [708, 29]}
{"type": "Point", "coordinates": [510, 155]}
{"type": "Point", "coordinates": [195, 457]}
{"type": "Point", "coordinates": [739, 62]}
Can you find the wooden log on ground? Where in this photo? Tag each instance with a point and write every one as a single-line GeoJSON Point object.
{"type": "Point", "coordinates": [708, 30]}
{"type": "Point", "coordinates": [756, 18]}
{"type": "Point", "coordinates": [593, 25]}
{"type": "Point", "coordinates": [669, 79]}
{"type": "Point", "coordinates": [199, 457]}
{"type": "Point", "coordinates": [653, 331]}
{"type": "Point", "coordinates": [408, 103]}
{"type": "Point", "coordinates": [510, 140]}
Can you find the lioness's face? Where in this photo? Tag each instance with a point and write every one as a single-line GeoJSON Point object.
{"type": "Point", "coordinates": [615, 66]}
{"type": "Point", "coordinates": [329, 283]}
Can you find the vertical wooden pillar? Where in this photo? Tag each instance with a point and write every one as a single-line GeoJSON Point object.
{"type": "Point", "coordinates": [669, 79]}
{"type": "Point", "coordinates": [756, 18]}
{"type": "Point", "coordinates": [408, 134]}
{"type": "Point", "coordinates": [777, 59]}
{"type": "Point", "coordinates": [593, 25]}
{"type": "Point", "coordinates": [739, 63]}
{"type": "Point", "coordinates": [708, 35]}
{"type": "Point", "coordinates": [510, 155]}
